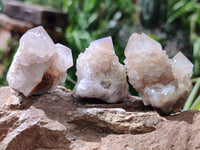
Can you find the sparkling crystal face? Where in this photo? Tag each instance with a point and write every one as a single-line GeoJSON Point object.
{"type": "Point", "coordinates": [100, 75]}
{"type": "Point", "coordinates": [39, 64]}
{"type": "Point", "coordinates": [160, 81]}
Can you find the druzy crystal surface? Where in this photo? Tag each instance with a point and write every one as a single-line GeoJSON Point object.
{"type": "Point", "coordinates": [100, 75]}
{"type": "Point", "coordinates": [39, 64]}
{"type": "Point", "coordinates": [160, 81]}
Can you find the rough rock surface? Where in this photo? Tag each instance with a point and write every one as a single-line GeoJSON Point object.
{"type": "Point", "coordinates": [57, 121]}
{"type": "Point", "coordinates": [100, 75]}
{"type": "Point", "coordinates": [160, 81]}
{"type": "Point", "coordinates": [39, 64]}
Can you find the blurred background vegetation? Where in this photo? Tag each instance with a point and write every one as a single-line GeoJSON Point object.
{"type": "Point", "coordinates": [173, 23]}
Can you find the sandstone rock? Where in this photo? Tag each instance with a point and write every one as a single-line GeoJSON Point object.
{"type": "Point", "coordinates": [14, 25]}
{"type": "Point", "coordinates": [39, 64]}
{"type": "Point", "coordinates": [28, 129]}
{"type": "Point", "coordinates": [35, 14]}
{"type": "Point", "coordinates": [57, 121]}
{"type": "Point", "coordinates": [31, 129]}
{"type": "Point", "coordinates": [160, 81]}
{"type": "Point", "coordinates": [19, 27]}
{"type": "Point", "coordinates": [117, 120]}
{"type": "Point", "coordinates": [100, 75]}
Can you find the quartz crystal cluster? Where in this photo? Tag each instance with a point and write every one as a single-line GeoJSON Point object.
{"type": "Point", "coordinates": [160, 81]}
{"type": "Point", "coordinates": [100, 75]}
{"type": "Point", "coordinates": [39, 64]}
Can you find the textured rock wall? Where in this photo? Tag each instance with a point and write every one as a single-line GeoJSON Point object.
{"type": "Point", "coordinates": [57, 121]}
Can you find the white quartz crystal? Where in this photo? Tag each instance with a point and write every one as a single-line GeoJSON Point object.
{"type": "Point", "coordinates": [100, 75]}
{"type": "Point", "coordinates": [160, 81]}
{"type": "Point", "coordinates": [39, 64]}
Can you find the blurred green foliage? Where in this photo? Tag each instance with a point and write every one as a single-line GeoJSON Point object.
{"type": "Point", "coordinates": [188, 13]}
{"type": "Point", "coordinates": [150, 12]}
{"type": "Point", "coordinates": [1, 5]}
{"type": "Point", "coordinates": [5, 61]}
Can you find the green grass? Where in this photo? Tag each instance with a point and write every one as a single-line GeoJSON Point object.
{"type": "Point", "coordinates": [188, 13]}
{"type": "Point", "coordinates": [191, 103]}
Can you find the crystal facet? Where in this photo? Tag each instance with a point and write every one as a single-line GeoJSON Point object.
{"type": "Point", "coordinates": [39, 64]}
{"type": "Point", "coordinates": [100, 75]}
{"type": "Point", "coordinates": [160, 81]}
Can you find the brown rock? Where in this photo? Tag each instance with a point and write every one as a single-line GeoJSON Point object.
{"type": "Point", "coordinates": [35, 14]}
{"type": "Point", "coordinates": [31, 129]}
{"type": "Point", "coordinates": [13, 25]}
{"type": "Point", "coordinates": [27, 128]}
{"type": "Point", "coordinates": [117, 120]}
{"type": "Point", "coordinates": [57, 121]}
{"type": "Point", "coordinates": [19, 27]}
